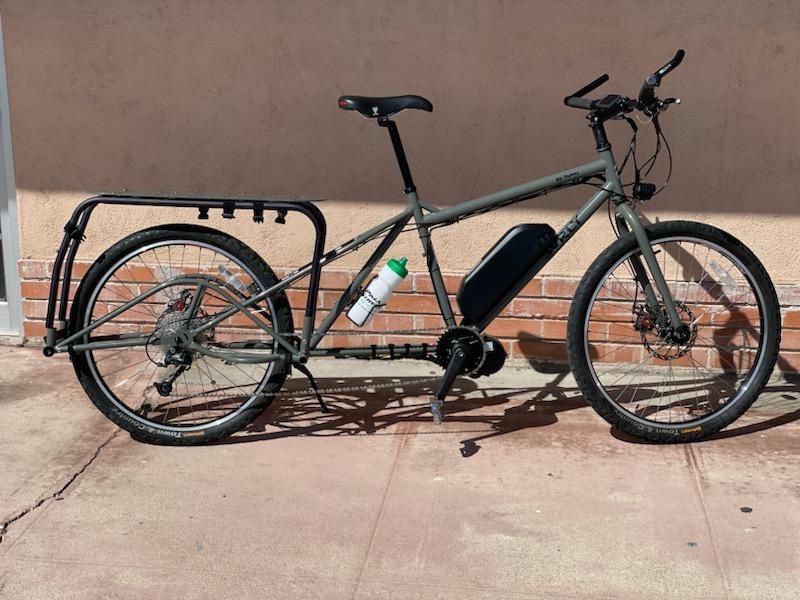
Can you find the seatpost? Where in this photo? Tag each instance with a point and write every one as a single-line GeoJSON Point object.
{"type": "Point", "coordinates": [399, 152]}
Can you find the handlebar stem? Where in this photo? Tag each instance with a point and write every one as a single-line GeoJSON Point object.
{"type": "Point", "coordinates": [599, 132]}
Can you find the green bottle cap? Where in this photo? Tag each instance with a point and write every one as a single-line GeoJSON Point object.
{"type": "Point", "coordinates": [399, 266]}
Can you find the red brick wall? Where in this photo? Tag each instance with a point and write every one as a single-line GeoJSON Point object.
{"type": "Point", "coordinates": [533, 326]}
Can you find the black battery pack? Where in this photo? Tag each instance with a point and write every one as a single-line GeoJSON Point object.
{"type": "Point", "coordinates": [504, 269]}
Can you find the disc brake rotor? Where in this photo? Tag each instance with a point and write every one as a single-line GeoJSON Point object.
{"type": "Point", "coordinates": [656, 332]}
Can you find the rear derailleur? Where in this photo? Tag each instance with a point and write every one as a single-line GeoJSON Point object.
{"type": "Point", "coordinates": [464, 351]}
{"type": "Point", "coordinates": [181, 360]}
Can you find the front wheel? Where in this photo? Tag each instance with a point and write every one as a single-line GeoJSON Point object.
{"type": "Point", "coordinates": [626, 357]}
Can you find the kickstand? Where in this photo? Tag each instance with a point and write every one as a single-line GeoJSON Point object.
{"type": "Point", "coordinates": [313, 382]}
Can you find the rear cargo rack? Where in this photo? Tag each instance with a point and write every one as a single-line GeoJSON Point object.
{"type": "Point", "coordinates": [75, 233]}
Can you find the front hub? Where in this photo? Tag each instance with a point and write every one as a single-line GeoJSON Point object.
{"type": "Point", "coordinates": [661, 340]}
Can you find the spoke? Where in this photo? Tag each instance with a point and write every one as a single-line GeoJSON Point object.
{"type": "Point", "coordinates": [114, 276]}
{"type": "Point", "coordinates": [622, 285]}
{"type": "Point", "coordinates": [714, 375]}
{"type": "Point", "coordinates": [611, 352]}
{"type": "Point", "coordinates": [125, 301]}
{"type": "Point", "coordinates": [697, 376]}
{"type": "Point", "coordinates": [131, 381]}
{"type": "Point", "coordinates": [671, 376]}
{"type": "Point", "coordinates": [627, 263]}
{"type": "Point", "coordinates": [725, 348]}
{"type": "Point", "coordinates": [164, 272]}
{"type": "Point", "coordinates": [146, 317]}
{"type": "Point", "coordinates": [146, 266]}
{"type": "Point", "coordinates": [104, 375]}
{"type": "Point", "coordinates": [210, 366]}
{"type": "Point", "coordinates": [714, 314]}
{"type": "Point", "coordinates": [112, 355]}
{"type": "Point", "coordinates": [634, 368]}
{"type": "Point", "coordinates": [246, 374]}
{"type": "Point", "coordinates": [686, 292]}
{"type": "Point", "coordinates": [200, 377]}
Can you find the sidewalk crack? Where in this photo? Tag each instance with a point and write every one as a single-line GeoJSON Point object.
{"type": "Point", "coordinates": [381, 507]}
{"type": "Point", "coordinates": [694, 467]}
{"type": "Point", "coordinates": [58, 493]}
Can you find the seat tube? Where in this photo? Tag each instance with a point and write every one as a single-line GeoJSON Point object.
{"type": "Point", "coordinates": [433, 265]}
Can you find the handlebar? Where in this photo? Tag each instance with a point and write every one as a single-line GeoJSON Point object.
{"type": "Point", "coordinates": [575, 100]}
{"type": "Point", "coordinates": [647, 99]}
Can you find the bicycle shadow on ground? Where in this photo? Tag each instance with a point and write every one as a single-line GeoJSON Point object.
{"type": "Point", "coordinates": [485, 411]}
{"type": "Point", "coordinates": [379, 412]}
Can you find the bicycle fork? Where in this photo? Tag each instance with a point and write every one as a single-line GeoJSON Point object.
{"type": "Point", "coordinates": [628, 221]}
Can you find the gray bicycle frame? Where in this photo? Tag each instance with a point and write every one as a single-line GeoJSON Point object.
{"type": "Point", "coordinates": [425, 217]}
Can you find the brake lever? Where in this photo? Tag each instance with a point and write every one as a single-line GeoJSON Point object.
{"type": "Point", "coordinates": [664, 104]}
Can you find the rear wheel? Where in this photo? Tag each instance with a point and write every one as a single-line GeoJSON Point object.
{"type": "Point", "coordinates": [651, 381]}
{"type": "Point", "coordinates": [159, 389]}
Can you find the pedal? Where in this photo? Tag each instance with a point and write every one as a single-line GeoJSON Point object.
{"type": "Point", "coordinates": [436, 410]}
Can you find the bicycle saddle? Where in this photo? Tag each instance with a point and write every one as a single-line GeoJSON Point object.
{"type": "Point", "coordinates": [383, 107]}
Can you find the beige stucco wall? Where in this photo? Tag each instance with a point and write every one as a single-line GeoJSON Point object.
{"type": "Point", "coordinates": [239, 98]}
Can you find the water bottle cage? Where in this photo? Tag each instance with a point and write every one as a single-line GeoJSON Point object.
{"type": "Point", "coordinates": [354, 298]}
{"type": "Point", "coordinates": [373, 301]}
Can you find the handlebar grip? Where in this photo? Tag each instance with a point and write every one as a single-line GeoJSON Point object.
{"type": "Point", "coordinates": [592, 86]}
{"type": "Point", "coordinates": [572, 99]}
{"type": "Point", "coordinates": [576, 102]}
{"type": "Point", "coordinates": [676, 60]}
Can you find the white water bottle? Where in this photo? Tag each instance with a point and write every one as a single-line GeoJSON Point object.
{"type": "Point", "coordinates": [377, 293]}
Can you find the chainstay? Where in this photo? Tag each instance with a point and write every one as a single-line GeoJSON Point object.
{"type": "Point", "coordinates": [310, 391]}
{"type": "Point", "coordinates": [356, 333]}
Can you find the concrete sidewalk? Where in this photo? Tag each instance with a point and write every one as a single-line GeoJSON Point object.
{"type": "Point", "coordinates": [523, 493]}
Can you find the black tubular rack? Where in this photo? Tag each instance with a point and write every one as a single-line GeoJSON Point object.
{"type": "Point", "coordinates": [75, 229]}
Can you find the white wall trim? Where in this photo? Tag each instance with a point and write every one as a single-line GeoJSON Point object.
{"type": "Point", "coordinates": [9, 217]}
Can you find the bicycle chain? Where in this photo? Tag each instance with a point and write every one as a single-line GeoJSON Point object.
{"type": "Point", "coordinates": [310, 391]}
{"type": "Point", "coordinates": [363, 387]}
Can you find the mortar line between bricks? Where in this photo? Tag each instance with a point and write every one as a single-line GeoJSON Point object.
{"type": "Point", "coordinates": [379, 515]}
{"type": "Point", "coordinates": [58, 493]}
{"type": "Point", "coordinates": [694, 467]}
